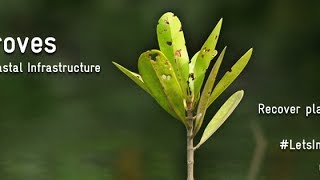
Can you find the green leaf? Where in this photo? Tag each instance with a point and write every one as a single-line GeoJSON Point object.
{"type": "Point", "coordinates": [133, 76]}
{"type": "Point", "coordinates": [172, 45]}
{"type": "Point", "coordinates": [230, 76]}
{"type": "Point", "coordinates": [220, 117]}
{"type": "Point", "coordinates": [159, 77]}
{"type": "Point", "coordinates": [206, 54]}
{"type": "Point", "coordinates": [206, 92]}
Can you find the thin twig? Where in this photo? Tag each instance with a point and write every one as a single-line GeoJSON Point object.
{"type": "Point", "coordinates": [190, 149]}
{"type": "Point", "coordinates": [261, 144]}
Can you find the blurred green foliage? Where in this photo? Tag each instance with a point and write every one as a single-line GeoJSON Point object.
{"type": "Point", "coordinates": [64, 127]}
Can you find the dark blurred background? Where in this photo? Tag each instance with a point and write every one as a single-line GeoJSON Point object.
{"type": "Point", "coordinates": [104, 127]}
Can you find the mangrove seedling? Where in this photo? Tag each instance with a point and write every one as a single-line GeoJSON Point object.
{"type": "Point", "coordinates": [175, 81]}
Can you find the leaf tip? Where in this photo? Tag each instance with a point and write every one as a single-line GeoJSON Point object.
{"type": "Point", "coordinates": [219, 24]}
{"type": "Point", "coordinates": [224, 49]}
{"type": "Point", "coordinates": [248, 54]}
{"type": "Point", "coordinates": [166, 14]}
{"type": "Point", "coordinates": [240, 93]}
{"type": "Point", "coordinates": [117, 65]}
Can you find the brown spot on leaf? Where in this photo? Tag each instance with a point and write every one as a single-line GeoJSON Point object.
{"type": "Point", "coordinates": [191, 75]}
{"type": "Point", "coordinates": [180, 29]}
{"type": "Point", "coordinates": [166, 21]}
{"type": "Point", "coordinates": [178, 53]}
{"type": "Point", "coordinates": [169, 43]}
{"type": "Point", "coordinates": [216, 37]}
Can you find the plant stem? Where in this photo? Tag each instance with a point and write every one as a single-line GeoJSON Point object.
{"type": "Point", "coordinates": [190, 150]}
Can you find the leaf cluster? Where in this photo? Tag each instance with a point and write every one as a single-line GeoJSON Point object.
{"type": "Point", "coordinates": [175, 81]}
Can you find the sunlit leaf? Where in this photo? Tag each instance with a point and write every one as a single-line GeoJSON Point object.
{"type": "Point", "coordinates": [132, 75]}
{"type": "Point", "coordinates": [172, 45]}
{"type": "Point", "coordinates": [206, 92]}
{"type": "Point", "coordinates": [159, 77]}
{"type": "Point", "coordinates": [230, 76]}
{"type": "Point", "coordinates": [202, 62]}
{"type": "Point", "coordinates": [220, 117]}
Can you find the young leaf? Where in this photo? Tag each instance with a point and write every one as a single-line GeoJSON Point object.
{"type": "Point", "coordinates": [159, 77]}
{"type": "Point", "coordinates": [172, 45]}
{"type": "Point", "coordinates": [206, 92]}
{"type": "Point", "coordinates": [220, 117]}
{"type": "Point", "coordinates": [206, 54]}
{"type": "Point", "coordinates": [191, 73]}
{"type": "Point", "coordinates": [230, 76]}
{"type": "Point", "coordinates": [133, 76]}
